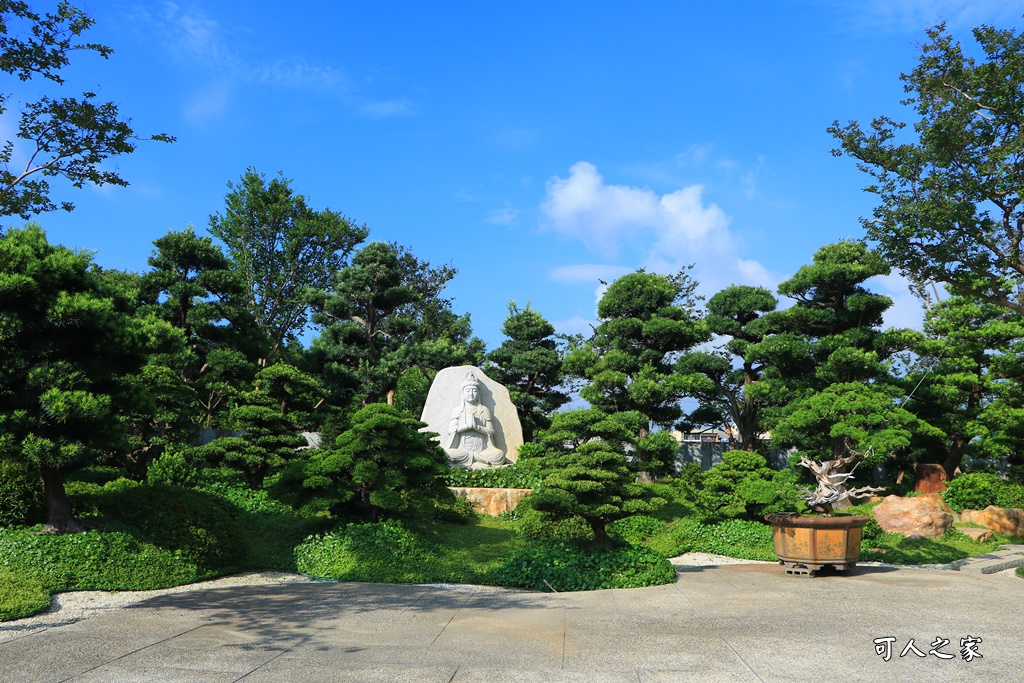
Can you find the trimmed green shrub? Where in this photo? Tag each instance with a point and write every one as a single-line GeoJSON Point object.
{"type": "Point", "coordinates": [386, 552]}
{"type": "Point", "coordinates": [94, 560]}
{"type": "Point", "coordinates": [743, 486]}
{"type": "Point", "coordinates": [1020, 571]}
{"type": "Point", "coordinates": [382, 466]}
{"type": "Point", "coordinates": [198, 527]}
{"type": "Point", "coordinates": [21, 494]}
{"type": "Point", "coordinates": [976, 491]}
{"type": "Point", "coordinates": [171, 469]}
{"type": "Point", "coordinates": [21, 596]}
{"type": "Point", "coordinates": [536, 526]}
{"type": "Point", "coordinates": [559, 566]}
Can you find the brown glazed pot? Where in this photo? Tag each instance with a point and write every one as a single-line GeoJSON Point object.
{"type": "Point", "coordinates": [806, 544]}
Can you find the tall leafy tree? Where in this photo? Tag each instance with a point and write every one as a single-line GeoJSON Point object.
{"type": "Point", "coordinates": [647, 319]}
{"type": "Point", "coordinates": [284, 251]}
{"type": "Point", "coordinates": [950, 194]}
{"type": "Point", "coordinates": [69, 343]}
{"type": "Point", "coordinates": [722, 378]}
{"type": "Point", "coordinates": [66, 137]}
{"type": "Point", "coordinates": [529, 363]}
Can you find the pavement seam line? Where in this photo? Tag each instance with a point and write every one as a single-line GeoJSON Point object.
{"type": "Point", "coordinates": [279, 655]}
{"type": "Point", "coordinates": [565, 623]}
{"type": "Point", "coordinates": [414, 602]}
{"type": "Point", "coordinates": [128, 654]}
{"type": "Point", "coordinates": [454, 615]}
{"type": "Point", "coordinates": [729, 645]}
{"type": "Point", "coordinates": [454, 674]}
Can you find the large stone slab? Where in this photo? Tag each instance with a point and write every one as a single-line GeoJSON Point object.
{"type": "Point", "coordinates": [445, 405]}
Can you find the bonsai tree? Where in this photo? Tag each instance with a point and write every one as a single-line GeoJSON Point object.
{"type": "Point", "coordinates": [585, 471]}
{"type": "Point", "coordinates": [379, 466]}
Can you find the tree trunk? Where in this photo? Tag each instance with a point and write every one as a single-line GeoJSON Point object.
{"type": "Point", "coordinates": [60, 520]}
{"type": "Point", "coordinates": [601, 538]}
{"type": "Point", "coordinates": [953, 457]}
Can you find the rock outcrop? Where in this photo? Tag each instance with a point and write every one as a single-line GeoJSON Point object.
{"type": "Point", "coordinates": [926, 516]}
{"type": "Point", "coordinates": [1004, 520]}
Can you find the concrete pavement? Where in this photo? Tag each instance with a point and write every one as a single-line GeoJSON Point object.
{"type": "Point", "coordinates": [727, 623]}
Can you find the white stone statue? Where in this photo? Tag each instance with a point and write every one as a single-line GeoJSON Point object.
{"type": "Point", "coordinates": [471, 431]}
{"type": "Point", "coordinates": [473, 417]}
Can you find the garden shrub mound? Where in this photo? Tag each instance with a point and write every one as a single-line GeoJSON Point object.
{"type": "Point", "coordinates": [21, 497]}
{"type": "Point", "coordinates": [21, 595]}
{"type": "Point", "coordinates": [569, 567]}
{"type": "Point", "coordinates": [733, 537]}
{"type": "Point", "coordinates": [93, 560]}
{"type": "Point", "coordinates": [198, 527]}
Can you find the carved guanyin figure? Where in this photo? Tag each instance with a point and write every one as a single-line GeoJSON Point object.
{"type": "Point", "coordinates": [471, 431]}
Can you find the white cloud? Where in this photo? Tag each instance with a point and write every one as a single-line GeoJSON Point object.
{"type": "Point", "coordinates": [604, 217]}
{"type": "Point", "coordinates": [587, 273]}
{"type": "Point", "coordinates": [388, 109]}
{"type": "Point", "coordinates": [210, 103]}
{"type": "Point", "coordinates": [671, 230]}
{"type": "Point", "coordinates": [502, 216]}
{"type": "Point", "coordinates": [907, 310]}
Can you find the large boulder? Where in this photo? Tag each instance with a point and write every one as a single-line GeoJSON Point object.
{"type": "Point", "coordinates": [927, 515]}
{"type": "Point", "coordinates": [930, 478]}
{"type": "Point", "coordinates": [1004, 520]}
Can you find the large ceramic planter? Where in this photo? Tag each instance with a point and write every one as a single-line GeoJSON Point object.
{"type": "Point", "coordinates": [806, 544]}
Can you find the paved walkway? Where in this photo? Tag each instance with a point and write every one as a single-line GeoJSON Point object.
{"type": "Point", "coordinates": [728, 623]}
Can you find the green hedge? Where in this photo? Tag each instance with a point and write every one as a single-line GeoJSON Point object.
{"type": "Point", "coordinates": [569, 567]}
{"type": "Point", "coordinates": [21, 595]}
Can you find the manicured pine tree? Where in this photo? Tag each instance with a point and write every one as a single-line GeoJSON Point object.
{"type": "Point", "coordinates": [380, 467]}
{"type": "Point", "coordinates": [646, 321]}
{"type": "Point", "coordinates": [529, 363]}
{"type": "Point", "coordinates": [69, 343]}
{"type": "Point", "coordinates": [585, 471]}
{"type": "Point", "coordinates": [721, 378]}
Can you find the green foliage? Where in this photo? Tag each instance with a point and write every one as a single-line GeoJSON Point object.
{"type": "Point", "coordinates": [1020, 571]}
{"type": "Point", "coordinates": [21, 496]}
{"type": "Point", "coordinates": [519, 475]}
{"type": "Point", "coordinates": [68, 343]}
{"type": "Point", "coordinates": [529, 363]}
{"type": "Point", "coordinates": [646, 319]}
{"type": "Point", "coordinates": [733, 537]}
{"type": "Point", "coordinates": [948, 197]}
{"type": "Point", "coordinates": [380, 466]}
{"type": "Point", "coordinates": [743, 486]}
{"type": "Point", "coordinates": [268, 442]}
{"type": "Point", "coordinates": [171, 469]}
{"type": "Point", "coordinates": [21, 595]}
{"type": "Point", "coordinates": [94, 560]}
{"type": "Point", "coordinates": [565, 567]}
{"type": "Point", "coordinates": [636, 529]}
{"type": "Point", "coordinates": [386, 552]}
{"type": "Point", "coordinates": [900, 550]}
{"type": "Point", "coordinates": [71, 137]}
{"type": "Point", "coordinates": [978, 490]}
{"type": "Point", "coordinates": [720, 388]}
{"type": "Point", "coordinates": [534, 525]}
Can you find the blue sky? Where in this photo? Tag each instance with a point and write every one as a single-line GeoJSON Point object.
{"type": "Point", "coordinates": [536, 146]}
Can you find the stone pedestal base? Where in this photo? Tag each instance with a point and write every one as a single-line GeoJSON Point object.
{"type": "Point", "coordinates": [491, 502]}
